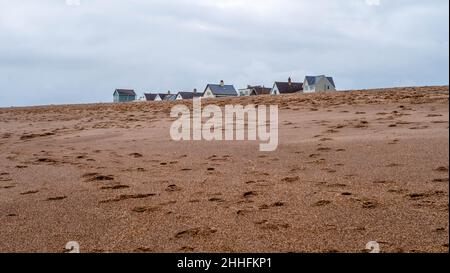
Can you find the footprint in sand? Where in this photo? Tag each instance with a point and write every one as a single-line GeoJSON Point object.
{"type": "Point", "coordinates": [391, 165]}
{"type": "Point", "coordinates": [128, 196]}
{"type": "Point", "coordinates": [144, 250]}
{"type": "Point", "coordinates": [393, 142]}
{"type": "Point", "coordinates": [173, 188]}
{"type": "Point", "coordinates": [195, 232]}
{"type": "Point", "coordinates": [442, 169]}
{"type": "Point", "coordinates": [383, 182]}
{"type": "Point", "coordinates": [56, 198]}
{"type": "Point", "coordinates": [186, 249]}
{"type": "Point", "coordinates": [369, 204]}
{"type": "Point", "coordinates": [336, 185]}
{"type": "Point", "coordinates": [276, 204]}
{"type": "Point", "coordinates": [267, 225]}
{"type": "Point", "coordinates": [321, 203]}
{"type": "Point", "coordinates": [146, 209]}
{"type": "Point", "coordinates": [46, 160]}
{"type": "Point", "coordinates": [417, 196]}
{"type": "Point", "coordinates": [216, 199]}
{"type": "Point", "coordinates": [290, 179]}
{"type": "Point", "coordinates": [136, 155]}
{"type": "Point", "coordinates": [328, 170]}
{"type": "Point", "coordinates": [97, 177]}
{"type": "Point", "coordinates": [29, 192]}
{"type": "Point", "coordinates": [440, 180]}
{"type": "Point", "coordinates": [115, 187]}
{"type": "Point", "coordinates": [250, 194]}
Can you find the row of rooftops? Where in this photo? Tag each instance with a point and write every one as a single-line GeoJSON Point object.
{"type": "Point", "coordinates": [223, 90]}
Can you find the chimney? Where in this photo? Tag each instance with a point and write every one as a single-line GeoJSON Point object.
{"type": "Point", "coordinates": [290, 81]}
{"type": "Point", "coordinates": [222, 83]}
{"type": "Point", "coordinates": [195, 90]}
{"type": "Point", "coordinates": [168, 92]}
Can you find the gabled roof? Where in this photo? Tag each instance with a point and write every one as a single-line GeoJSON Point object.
{"type": "Point", "coordinates": [260, 90]}
{"type": "Point", "coordinates": [331, 80]}
{"type": "Point", "coordinates": [150, 96]}
{"type": "Point", "coordinates": [125, 92]}
{"type": "Point", "coordinates": [190, 95]}
{"type": "Point", "coordinates": [312, 80]}
{"type": "Point", "coordinates": [170, 97]}
{"type": "Point", "coordinates": [286, 88]}
{"type": "Point", "coordinates": [162, 95]}
{"type": "Point", "coordinates": [222, 90]}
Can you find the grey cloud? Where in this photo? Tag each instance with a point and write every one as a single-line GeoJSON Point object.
{"type": "Point", "coordinates": [54, 53]}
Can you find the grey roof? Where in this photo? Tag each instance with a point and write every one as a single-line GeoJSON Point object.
{"type": "Point", "coordinates": [259, 90]}
{"type": "Point", "coordinates": [219, 90]}
{"type": "Point", "coordinates": [331, 81]}
{"type": "Point", "coordinates": [190, 95]}
{"type": "Point", "coordinates": [150, 96]}
{"type": "Point", "coordinates": [286, 88]}
{"type": "Point", "coordinates": [162, 95]}
{"type": "Point", "coordinates": [313, 79]}
{"type": "Point", "coordinates": [125, 92]}
{"type": "Point", "coordinates": [170, 97]}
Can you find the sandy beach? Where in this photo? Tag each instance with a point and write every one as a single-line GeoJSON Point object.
{"type": "Point", "coordinates": [351, 167]}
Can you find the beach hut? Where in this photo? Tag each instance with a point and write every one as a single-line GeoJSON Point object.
{"type": "Point", "coordinates": [124, 95]}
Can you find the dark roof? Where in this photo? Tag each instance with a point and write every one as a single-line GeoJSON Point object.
{"type": "Point", "coordinates": [260, 90]}
{"type": "Point", "coordinates": [170, 97]}
{"type": "Point", "coordinates": [190, 95]}
{"type": "Point", "coordinates": [150, 97]}
{"type": "Point", "coordinates": [313, 79]}
{"type": "Point", "coordinates": [331, 81]}
{"type": "Point", "coordinates": [162, 95]}
{"type": "Point", "coordinates": [125, 92]}
{"type": "Point", "coordinates": [286, 88]}
{"type": "Point", "coordinates": [219, 90]}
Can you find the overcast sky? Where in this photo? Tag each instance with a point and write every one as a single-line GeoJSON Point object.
{"type": "Point", "coordinates": [56, 51]}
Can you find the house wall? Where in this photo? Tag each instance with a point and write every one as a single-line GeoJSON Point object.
{"type": "Point", "coordinates": [308, 88]}
{"type": "Point", "coordinates": [324, 85]}
{"type": "Point", "coordinates": [275, 90]}
{"type": "Point", "coordinates": [208, 93]}
{"type": "Point", "coordinates": [179, 97]}
{"type": "Point", "coordinates": [122, 98]}
{"type": "Point", "coordinates": [116, 97]}
{"type": "Point", "coordinates": [245, 92]}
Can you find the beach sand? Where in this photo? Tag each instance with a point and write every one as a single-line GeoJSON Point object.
{"type": "Point", "coordinates": [350, 168]}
